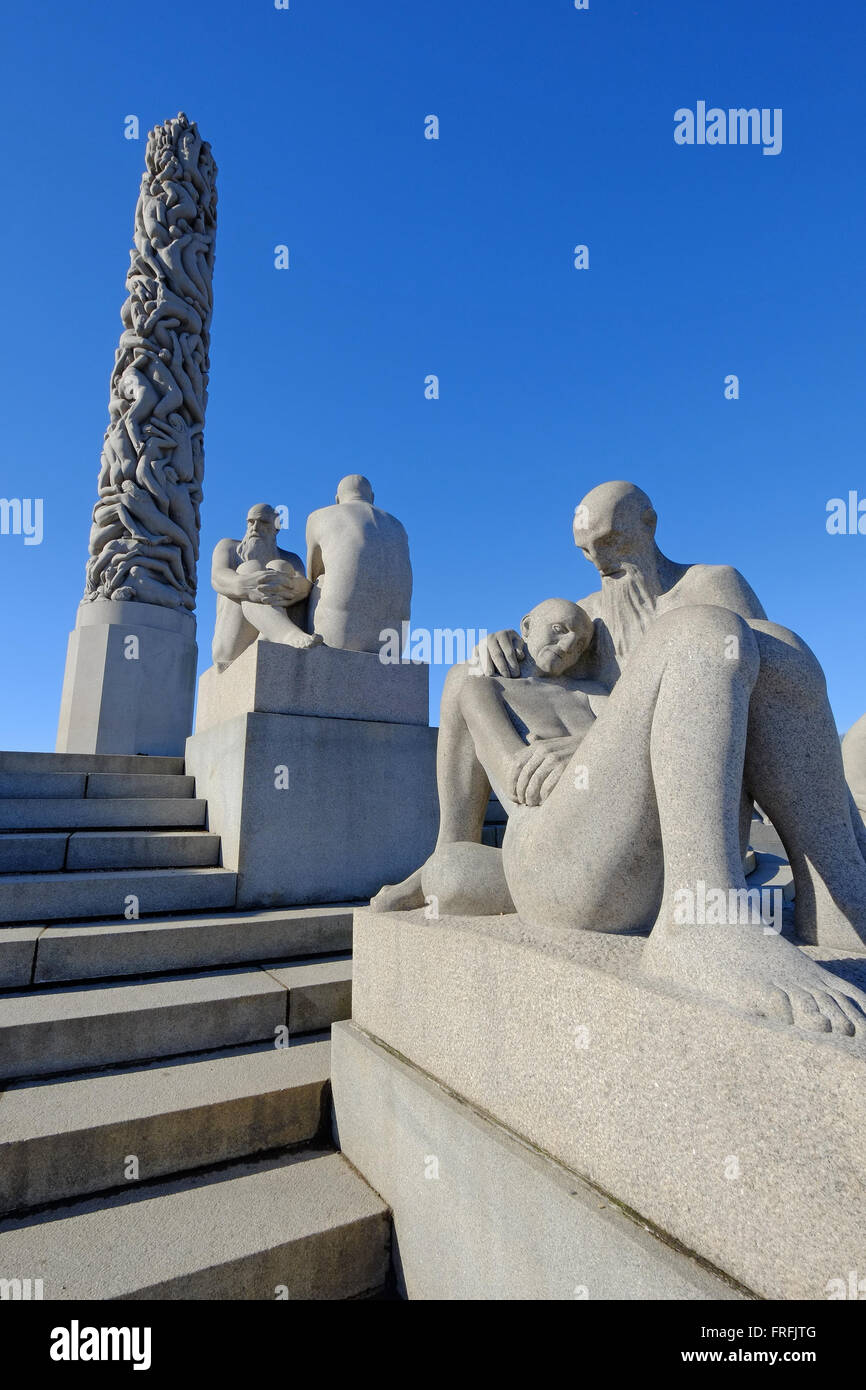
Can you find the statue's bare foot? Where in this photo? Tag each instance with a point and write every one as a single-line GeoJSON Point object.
{"type": "Point", "coordinates": [400, 897]}
{"type": "Point", "coordinates": [303, 640]}
{"type": "Point", "coordinates": [757, 972]}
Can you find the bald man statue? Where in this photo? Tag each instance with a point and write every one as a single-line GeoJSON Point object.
{"type": "Point", "coordinates": [261, 590]}
{"type": "Point", "coordinates": [620, 828]}
{"type": "Point", "coordinates": [358, 561]}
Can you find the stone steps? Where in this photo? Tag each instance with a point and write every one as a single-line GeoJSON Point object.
{"type": "Point", "coordinates": [302, 1226]}
{"type": "Point", "coordinates": [69, 1028]}
{"type": "Point", "coordinates": [138, 784]}
{"type": "Point", "coordinates": [47, 1032]}
{"type": "Point", "coordinates": [90, 762]}
{"type": "Point", "coordinates": [23, 852]}
{"type": "Point", "coordinates": [320, 992]}
{"type": "Point", "coordinates": [53, 897]}
{"type": "Point", "coordinates": [86, 951]}
{"type": "Point", "coordinates": [102, 813]}
{"type": "Point", "coordinates": [152, 1034]}
{"type": "Point", "coordinates": [17, 786]}
{"type": "Point", "coordinates": [68, 1137]}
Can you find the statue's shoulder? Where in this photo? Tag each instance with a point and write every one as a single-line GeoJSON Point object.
{"type": "Point", "coordinates": [719, 584]}
{"type": "Point", "coordinates": [392, 522]}
{"type": "Point", "coordinates": [227, 546]}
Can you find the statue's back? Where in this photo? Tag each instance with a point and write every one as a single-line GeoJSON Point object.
{"type": "Point", "coordinates": [366, 584]}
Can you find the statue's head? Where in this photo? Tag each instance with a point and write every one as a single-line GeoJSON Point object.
{"type": "Point", "coordinates": [557, 632]}
{"type": "Point", "coordinates": [262, 520]}
{"type": "Point", "coordinates": [615, 527]}
{"type": "Point", "coordinates": [354, 488]}
{"type": "Point", "coordinates": [259, 541]}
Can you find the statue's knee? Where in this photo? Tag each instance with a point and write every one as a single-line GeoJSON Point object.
{"type": "Point", "coordinates": [455, 684]}
{"type": "Point", "coordinates": [708, 629]}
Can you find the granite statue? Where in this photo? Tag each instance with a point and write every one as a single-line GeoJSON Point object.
{"type": "Point", "coordinates": [711, 707]}
{"type": "Point", "coordinates": [261, 590]}
{"type": "Point", "coordinates": [358, 562]}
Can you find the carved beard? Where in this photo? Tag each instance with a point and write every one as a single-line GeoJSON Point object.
{"type": "Point", "coordinates": [628, 606]}
{"type": "Point", "coordinates": [261, 548]}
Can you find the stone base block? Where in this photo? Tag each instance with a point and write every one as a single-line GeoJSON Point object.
{"type": "Point", "coordinates": [741, 1139]}
{"type": "Point", "coordinates": [314, 810]}
{"type": "Point", "coordinates": [271, 679]}
{"type": "Point", "coordinates": [129, 684]}
{"type": "Point", "coordinates": [477, 1214]}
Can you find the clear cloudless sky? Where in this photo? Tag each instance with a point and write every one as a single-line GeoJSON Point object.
{"type": "Point", "coordinates": [455, 257]}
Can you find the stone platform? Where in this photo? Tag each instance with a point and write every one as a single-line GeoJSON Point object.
{"type": "Point", "coordinates": [330, 796]}
{"type": "Point", "coordinates": [129, 680]}
{"type": "Point", "coordinates": [740, 1143]}
{"type": "Point", "coordinates": [271, 679]}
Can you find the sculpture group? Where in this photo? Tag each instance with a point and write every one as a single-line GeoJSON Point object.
{"type": "Point", "coordinates": [629, 737]}
{"type": "Point", "coordinates": [356, 585]}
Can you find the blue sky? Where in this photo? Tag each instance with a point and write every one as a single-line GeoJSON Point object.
{"type": "Point", "coordinates": [454, 257]}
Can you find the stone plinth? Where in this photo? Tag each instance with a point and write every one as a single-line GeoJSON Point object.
{"type": "Point", "coordinates": [741, 1140]}
{"type": "Point", "coordinates": [272, 679]}
{"type": "Point", "coordinates": [313, 808]}
{"type": "Point", "coordinates": [129, 683]}
{"type": "Point", "coordinates": [478, 1215]}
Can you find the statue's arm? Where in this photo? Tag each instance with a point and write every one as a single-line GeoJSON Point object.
{"type": "Point", "coordinates": [315, 564]}
{"type": "Point", "coordinates": [224, 576]}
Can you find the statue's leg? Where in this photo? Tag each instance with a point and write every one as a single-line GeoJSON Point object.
{"type": "Point", "coordinates": [463, 790]}
{"type": "Point", "coordinates": [661, 771]}
{"type": "Point", "coordinates": [654, 793]}
{"type": "Point", "coordinates": [275, 625]}
{"type": "Point", "coordinates": [794, 769]}
{"type": "Point", "coordinates": [232, 633]}
{"type": "Point", "coordinates": [708, 937]}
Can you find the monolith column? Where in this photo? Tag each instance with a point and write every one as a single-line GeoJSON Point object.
{"type": "Point", "coordinates": [129, 684]}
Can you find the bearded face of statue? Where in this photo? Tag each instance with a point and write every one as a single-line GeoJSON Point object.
{"type": "Point", "coordinates": [628, 600]}
{"type": "Point", "coordinates": [618, 535]}
{"type": "Point", "coordinates": [260, 539]}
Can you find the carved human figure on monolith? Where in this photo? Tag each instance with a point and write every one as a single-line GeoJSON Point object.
{"type": "Point", "coordinates": [261, 590]}
{"type": "Point", "coordinates": [712, 708]}
{"type": "Point", "coordinates": [358, 561]}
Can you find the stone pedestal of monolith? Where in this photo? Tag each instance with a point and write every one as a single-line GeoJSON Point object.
{"type": "Point", "coordinates": [547, 1123]}
{"type": "Point", "coordinates": [129, 683]}
{"type": "Point", "coordinates": [319, 772]}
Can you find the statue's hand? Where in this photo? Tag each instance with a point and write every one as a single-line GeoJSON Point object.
{"type": "Point", "coordinates": [257, 586]}
{"type": "Point", "coordinates": [276, 587]}
{"type": "Point", "coordinates": [536, 769]}
{"type": "Point", "coordinates": [501, 653]}
{"type": "Point", "coordinates": [289, 588]}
